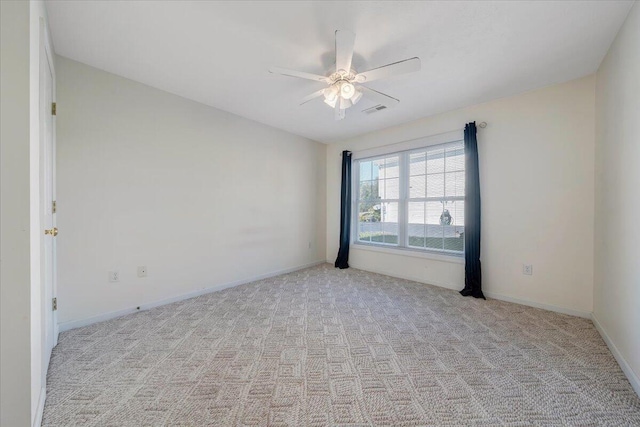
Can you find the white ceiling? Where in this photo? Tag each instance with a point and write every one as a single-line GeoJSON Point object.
{"type": "Point", "coordinates": [218, 53]}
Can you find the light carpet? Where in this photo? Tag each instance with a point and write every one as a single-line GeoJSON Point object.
{"type": "Point", "coordinates": [323, 347]}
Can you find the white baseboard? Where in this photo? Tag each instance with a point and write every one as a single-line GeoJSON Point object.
{"type": "Point", "coordinates": [549, 307]}
{"type": "Point", "coordinates": [453, 286]}
{"type": "Point", "coordinates": [37, 419]}
{"type": "Point", "coordinates": [488, 294]}
{"type": "Point", "coordinates": [73, 324]}
{"type": "Point", "coordinates": [631, 376]}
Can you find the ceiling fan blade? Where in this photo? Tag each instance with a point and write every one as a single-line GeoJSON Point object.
{"type": "Point", "coordinates": [345, 40]}
{"type": "Point", "coordinates": [299, 74]}
{"type": "Point", "coordinates": [313, 96]}
{"type": "Point", "coordinates": [390, 70]}
{"type": "Point", "coordinates": [379, 97]}
{"type": "Point", "coordinates": [338, 113]}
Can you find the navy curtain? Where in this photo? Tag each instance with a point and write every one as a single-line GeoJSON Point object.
{"type": "Point", "coordinates": [345, 212]}
{"type": "Point", "coordinates": [472, 270]}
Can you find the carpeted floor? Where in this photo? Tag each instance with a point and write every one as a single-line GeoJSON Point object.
{"type": "Point", "coordinates": [324, 346]}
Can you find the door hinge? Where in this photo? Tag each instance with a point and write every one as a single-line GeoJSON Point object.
{"type": "Point", "coordinates": [54, 304]}
{"type": "Point", "coordinates": [53, 207]}
{"type": "Point", "coordinates": [53, 108]}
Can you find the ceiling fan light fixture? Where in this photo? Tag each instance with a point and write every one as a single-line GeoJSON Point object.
{"type": "Point", "coordinates": [347, 90]}
{"type": "Point", "coordinates": [345, 103]}
{"type": "Point", "coordinates": [331, 102]}
{"type": "Point", "coordinates": [331, 93]}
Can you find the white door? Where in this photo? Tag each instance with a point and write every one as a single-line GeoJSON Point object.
{"type": "Point", "coordinates": [48, 162]}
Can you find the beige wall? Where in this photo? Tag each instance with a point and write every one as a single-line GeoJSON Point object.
{"type": "Point", "coordinates": [199, 196]}
{"type": "Point", "coordinates": [617, 204]}
{"type": "Point", "coordinates": [15, 274]}
{"type": "Point", "coordinates": [537, 180]}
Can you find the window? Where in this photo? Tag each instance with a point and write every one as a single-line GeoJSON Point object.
{"type": "Point", "coordinates": [412, 199]}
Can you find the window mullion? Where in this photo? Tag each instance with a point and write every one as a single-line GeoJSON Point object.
{"type": "Point", "coordinates": [403, 205]}
{"type": "Point", "coordinates": [444, 203]}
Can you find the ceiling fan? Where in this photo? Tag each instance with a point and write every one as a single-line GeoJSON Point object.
{"type": "Point", "coordinates": [345, 86]}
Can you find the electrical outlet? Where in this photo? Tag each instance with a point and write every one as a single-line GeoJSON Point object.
{"type": "Point", "coordinates": [114, 276]}
{"type": "Point", "coordinates": [309, 245]}
{"type": "Point", "coordinates": [142, 271]}
{"type": "Point", "coordinates": [527, 269]}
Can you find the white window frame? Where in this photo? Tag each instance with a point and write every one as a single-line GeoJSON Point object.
{"type": "Point", "coordinates": [403, 151]}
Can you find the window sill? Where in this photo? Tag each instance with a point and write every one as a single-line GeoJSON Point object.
{"type": "Point", "coordinates": [452, 258]}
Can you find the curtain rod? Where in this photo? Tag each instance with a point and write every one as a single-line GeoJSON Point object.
{"type": "Point", "coordinates": [481, 125]}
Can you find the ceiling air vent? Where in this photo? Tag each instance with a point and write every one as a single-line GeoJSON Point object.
{"type": "Point", "coordinates": [375, 109]}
